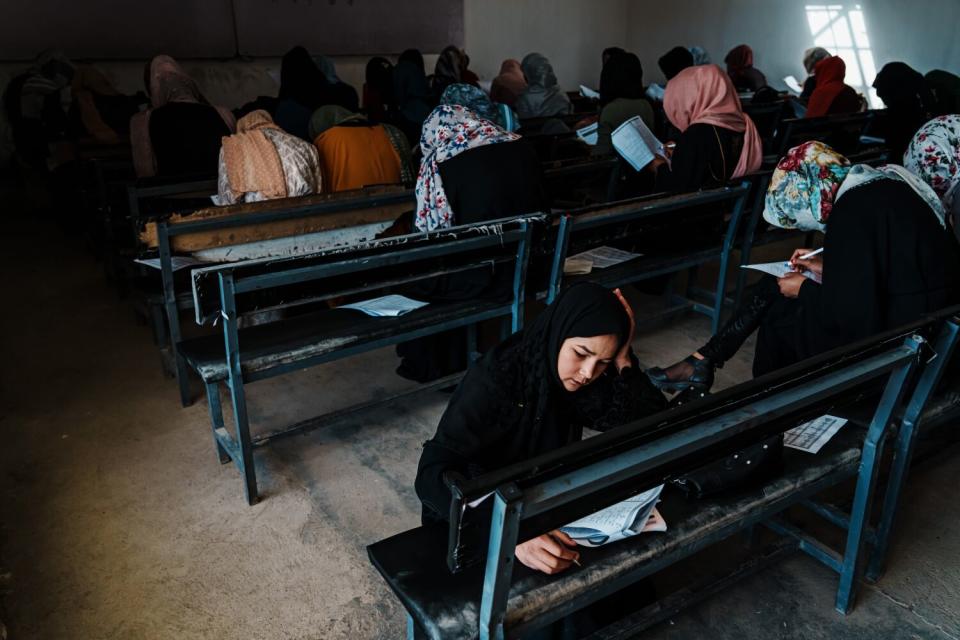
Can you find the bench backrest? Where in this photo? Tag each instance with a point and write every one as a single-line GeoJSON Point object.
{"type": "Point", "coordinates": [569, 483]}
{"type": "Point", "coordinates": [657, 222]}
{"type": "Point", "coordinates": [842, 132]}
{"type": "Point", "coordinates": [385, 264]}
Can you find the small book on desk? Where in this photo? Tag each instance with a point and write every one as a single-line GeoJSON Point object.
{"type": "Point", "coordinates": [634, 141]}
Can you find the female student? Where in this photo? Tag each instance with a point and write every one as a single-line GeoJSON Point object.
{"type": "Point", "coordinates": [741, 70]}
{"type": "Point", "coordinates": [471, 171]}
{"type": "Point", "coordinates": [509, 83]}
{"type": "Point", "coordinates": [180, 134]}
{"type": "Point", "coordinates": [887, 260]}
{"type": "Point", "coordinates": [263, 162]}
{"type": "Point", "coordinates": [621, 98]}
{"type": "Point", "coordinates": [477, 101]}
{"type": "Point", "coordinates": [717, 142]}
{"type": "Point", "coordinates": [355, 152]}
{"type": "Point", "coordinates": [571, 368]}
{"type": "Point", "coordinates": [934, 157]}
{"type": "Point", "coordinates": [909, 101]}
{"type": "Point", "coordinates": [542, 98]}
{"type": "Point", "coordinates": [830, 95]}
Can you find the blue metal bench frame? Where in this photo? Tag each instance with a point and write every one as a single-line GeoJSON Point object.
{"type": "Point", "coordinates": [166, 231]}
{"type": "Point", "coordinates": [571, 223]}
{"type": "Point", "coordinates": [232, 283]}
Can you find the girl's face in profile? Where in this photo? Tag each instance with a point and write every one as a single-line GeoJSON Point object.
{"type": "Point", "coordinates": [583, 360]}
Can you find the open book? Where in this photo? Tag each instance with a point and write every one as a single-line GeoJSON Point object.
{"type": "Point", "coordinates": [780, 269]}
{"type": "Point", "coordinates": [587, 92]}
{"type": "Point", "coordinates": [622, 520]}
{"type": "Point", "coordinates": [636, 143]}
{"type": "Point", "coordinates": [386, 306]}
{"type": "Point", "coordinates": [588, 133]}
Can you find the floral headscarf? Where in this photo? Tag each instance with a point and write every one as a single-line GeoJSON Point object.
{"type": "Point", "coordinates": [862, 174]}
{"type": "Point", "coordinates": [448, 131]}
{"type": "Point", "coordinates": [934, 156]}
{"type": "Point", "coordinates": [804, 187]}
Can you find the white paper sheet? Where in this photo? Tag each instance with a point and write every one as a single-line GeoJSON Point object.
{"type": "Point", "coordinates": [793, 84]}
{"type": "Point", "coordinates": [811, 436]}
{"type": "Point", "coordinates": [386, 306]}
{"type": "Point", "coordinates": [176, 262]}
{"type": "Point", "coordinates": [603, 257]}
{"type": "Point", "coordinates": [587, 92]}
{"type": "Point", "coordinates": [655, 92]}
{"type": "Point", "coordinates": [588, 133]}
{"type": "Point", "coordinates": [577, 266]}
{"type": "Point", "coordinates": [616, 522]}
{"type": "Point", "coordinates": [636, 143]}
{"type": "Point", "coordinates": [780, 269]}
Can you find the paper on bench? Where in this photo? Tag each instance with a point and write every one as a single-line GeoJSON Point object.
{"type": "Point", "coordinates": [619, 521]}
{"type": "Point", "coordinates": [636, 143]}
{"type": "Point", "coordinates": [601, 257]}
{"type": "Point", "coordinates": [588, 133]}
{"type": "Point", "coordinates": [780, 269]}
{"type": "Point", "coordinates": [176, 262]}
{"type": "Point", "coordinates": [587, 92]}
{"type": "Point", "coordinates": [386, 306]}
{"type": "Point", "coordinates": [811, 436]}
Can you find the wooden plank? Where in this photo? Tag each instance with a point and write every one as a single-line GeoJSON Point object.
{"type": "Point", "coordinates": [282, 228]}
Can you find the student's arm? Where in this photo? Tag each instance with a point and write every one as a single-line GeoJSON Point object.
{"type": "Point", "coordinates": [687, 164]}
{"type": "Point", "coordinates": [470, 426]}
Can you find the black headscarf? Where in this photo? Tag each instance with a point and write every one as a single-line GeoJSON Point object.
{"type": "Point", "coordinates": [448, 70]}
{"type": "Point", "coordinates": [909, 102]}
{"type": "Point", "coordinates": [621, 77]}
{"type": "Point", "coordinates": [302, 80]}
{"type": "Point", "coordinates": [609, 52]}
{"type": "Point", "coordinates": [675, 61]}
{"type": "Point", "coordinates": [414, 56]}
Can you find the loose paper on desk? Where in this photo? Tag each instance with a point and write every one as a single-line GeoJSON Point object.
{"type": "Point", "coordinates": [622, 520]}
{"type": "Point", "coordinates": [176, 262]}
{"type": "Point", "coordinates": [587, 92]}
{"type": "Point", "coordinates": [636, 143]}
{"type": "Point", "coordinates": [811, 436]}
{"type": "Point", "coordinates": [588, 133]}
{"type": "Point", "coordinates": [780, 269]}
{"type": "Point", "coordinates": [386, 306]}
{"type": "Point", "coordinates": [599, 258]}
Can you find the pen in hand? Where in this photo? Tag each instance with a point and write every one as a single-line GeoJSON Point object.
{"type": "Point", "coordinates": [807, 256]}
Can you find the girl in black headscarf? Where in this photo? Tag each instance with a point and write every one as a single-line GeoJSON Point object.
{"type": "Point", "coordinates": [303, 90]}
{"type": "Point", "coordinates": [909, 101]}
{"type": "Point", "coordinates": [534, 392]}
{"type": "Point", "coordinates": [411, 94]}
{"type": "Point", "coordinates": [621, 98]}
{"type": "Point", "coordinates": [675, 61]}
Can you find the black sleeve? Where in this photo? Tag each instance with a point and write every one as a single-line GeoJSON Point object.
{"type": "Point", "coordinates": [471, 425]}
{"type": "Point", "coordinates": [689, 168]}
{"type": "Point", "coordinates": [618, 398]}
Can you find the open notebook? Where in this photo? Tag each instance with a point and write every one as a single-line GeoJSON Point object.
{"type": "Point", "coordinates": [634, 141]}
{"type": "Point", "coordinates": [625, 519]}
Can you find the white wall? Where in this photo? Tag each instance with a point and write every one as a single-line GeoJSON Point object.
{"type": "Point", "coordinates": [921, 33]}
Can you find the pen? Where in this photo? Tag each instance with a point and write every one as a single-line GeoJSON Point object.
{"type": "Point", "coordinates": [810, 255]}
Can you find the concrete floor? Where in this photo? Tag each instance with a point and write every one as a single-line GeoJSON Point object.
{"type": "Point", "coordinates": [117, 521]}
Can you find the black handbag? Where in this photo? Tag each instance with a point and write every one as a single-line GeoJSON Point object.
{"type": "Point", "coordinates": [746, 468]}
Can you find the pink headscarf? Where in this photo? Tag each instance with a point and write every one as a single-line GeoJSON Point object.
{"type": "Point", "coordinates": [705, 94]}
{"type": "Point", "coordinates": [509, 84]}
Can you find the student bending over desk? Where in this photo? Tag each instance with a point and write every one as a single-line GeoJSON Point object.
{"type": "Point", "coordinates": [887, 260]}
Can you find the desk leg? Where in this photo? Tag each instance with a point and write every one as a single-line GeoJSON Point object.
{"type": "Point", "coordinates": [505, 526]}
{"type": "Point", "coordinates": [216, 419]}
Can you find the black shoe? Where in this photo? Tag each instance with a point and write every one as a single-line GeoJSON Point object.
{"type": "Point", "coordinates": [700, 379]}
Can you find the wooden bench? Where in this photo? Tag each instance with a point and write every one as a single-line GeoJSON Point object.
{"type": "Point", "coordinates": [648, 219]}
{"type": "Point", "coordinates": [286, 226]}
{"type": "Point", "coordinates": [496, 599]}
{"type": "Point", "coordinates": [366, 270]}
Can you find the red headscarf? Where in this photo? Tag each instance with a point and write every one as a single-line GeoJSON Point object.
{"type": "Point", "coordinates": [829, 73]}
{"type": "Point", "coordinates": [705, 94]}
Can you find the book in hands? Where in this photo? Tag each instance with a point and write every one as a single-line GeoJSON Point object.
{"type": "Point", "coordinates": [589, 133]}
{"type": "Point", "coordinates": [625, 519]}
{"type": "Point", "coordinates": [587, 92]}
{"type": "Point", "coordinates": [636, 144]}
{"type": "Point", "coordinates": [780, 269]}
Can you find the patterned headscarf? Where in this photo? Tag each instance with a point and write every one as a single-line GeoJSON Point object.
{"type": "Point", "coordinates": [448, 131]}
{"type": "Point", "coordinates": [252, 161]}
{"type": "Point", "coordinates": [469, 96]}
{"type": "Point", "coordinates": [804, 187]}
{"type": "Point", "coordinates": [934, 156]}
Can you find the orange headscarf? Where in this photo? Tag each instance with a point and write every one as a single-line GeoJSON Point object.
{"type": "Point", "coordinates": [705, 94]}
{"type": "Point", "coordinates": [509, 84]}
{"type": "Point", "coordinates": [252, 161]}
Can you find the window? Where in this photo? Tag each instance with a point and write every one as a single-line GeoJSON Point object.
{"type": "Point", "coordinates": [843, 32]}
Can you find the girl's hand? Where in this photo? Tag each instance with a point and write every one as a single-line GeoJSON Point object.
{"type": "Point", "coordinates": [550, 553]}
